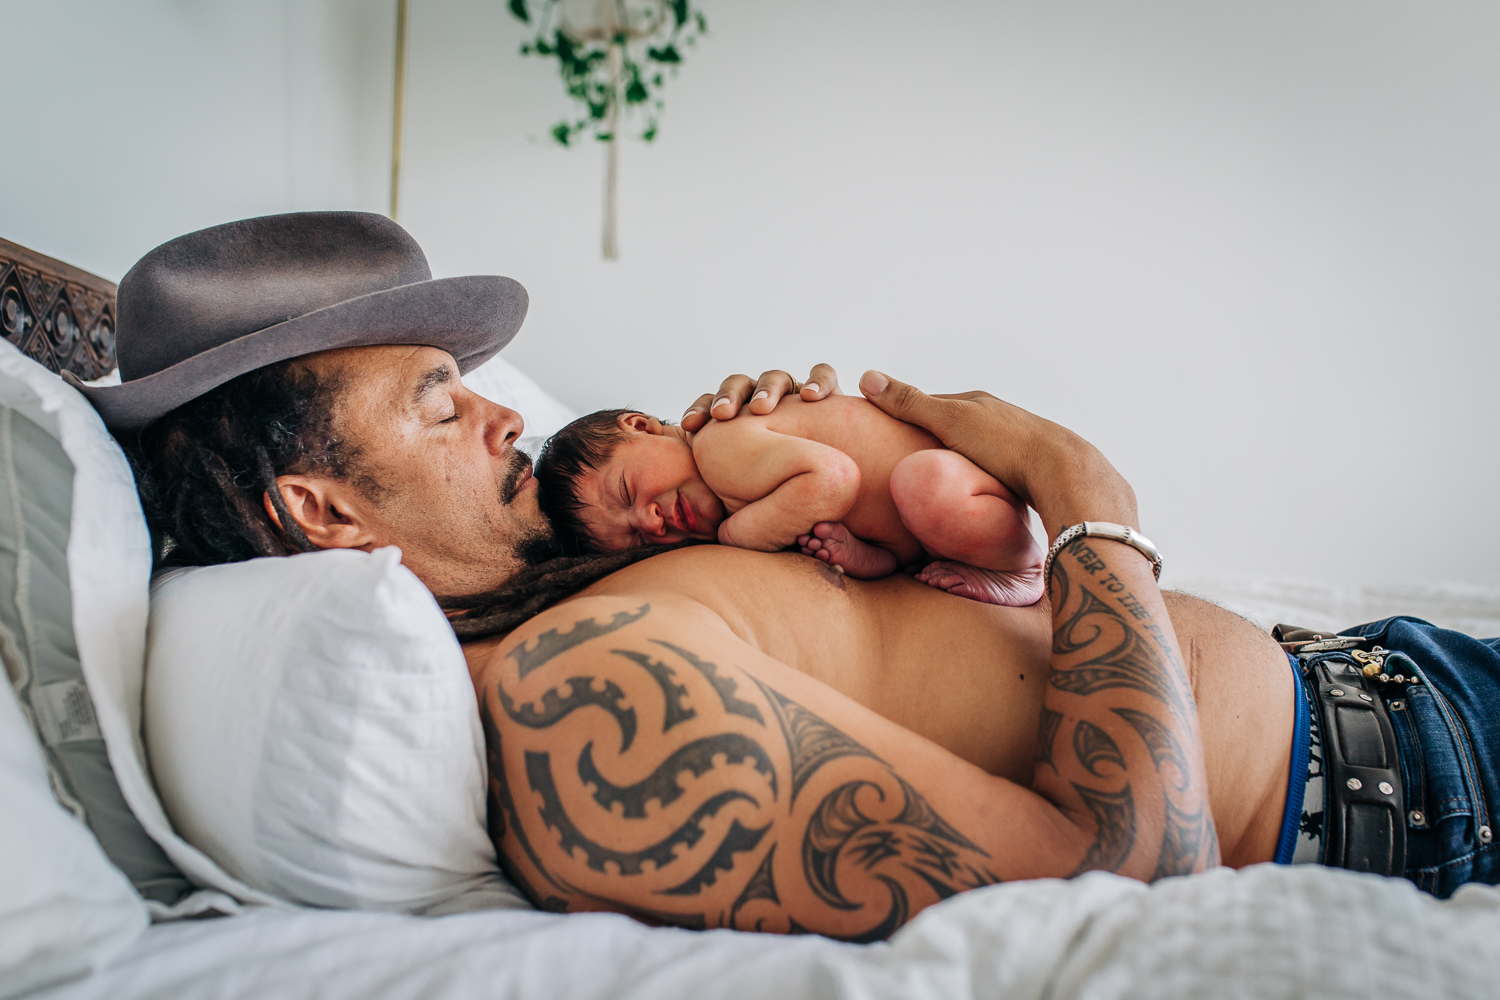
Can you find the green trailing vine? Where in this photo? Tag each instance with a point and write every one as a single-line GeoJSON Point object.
{"type": "Point", "coordinates": [615, 68]}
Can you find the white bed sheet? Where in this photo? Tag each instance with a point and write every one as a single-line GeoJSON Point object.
{"type": "Point", "coordinates": [1264, 932]}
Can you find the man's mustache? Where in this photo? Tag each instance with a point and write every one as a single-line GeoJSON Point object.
{"type": "Point", "coordinates": [518, 469]}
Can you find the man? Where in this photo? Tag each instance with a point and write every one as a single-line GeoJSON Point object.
{"type": "Point", "coordinates": [714, 737]}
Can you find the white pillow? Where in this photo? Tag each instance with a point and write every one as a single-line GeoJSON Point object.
{"type": "Point", "coordinates": [501, 382]}
{"type": "Point", "coordinates": [64, 909]}
{"type": "Point", "coordinates": [313, 728]}
{"type": "Point", "coordinates": [107, 567]}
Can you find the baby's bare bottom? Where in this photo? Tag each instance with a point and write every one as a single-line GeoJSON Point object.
{"type": "Point", "coordinates": [978, 530]}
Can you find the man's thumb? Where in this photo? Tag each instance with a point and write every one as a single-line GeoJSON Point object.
{"type": "Point", "coordinates": [900, 400]}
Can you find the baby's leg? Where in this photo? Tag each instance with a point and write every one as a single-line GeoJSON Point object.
{"type": "Point", "coordinates": [968, 518]}
{"type": "Point", "coordinates": [837, 545]}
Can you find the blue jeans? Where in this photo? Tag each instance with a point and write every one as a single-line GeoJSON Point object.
{"type": "Point", "coordinates": [1448, 735]}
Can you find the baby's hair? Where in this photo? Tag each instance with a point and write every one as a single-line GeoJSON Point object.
{"type": "Point", "coordinates": [566, 458]}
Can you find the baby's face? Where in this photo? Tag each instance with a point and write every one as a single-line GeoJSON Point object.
{"type": "Point", "coordinates": [649, 491]}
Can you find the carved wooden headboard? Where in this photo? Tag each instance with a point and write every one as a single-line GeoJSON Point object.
{"type": "Point", "coordinates": [56, 313]}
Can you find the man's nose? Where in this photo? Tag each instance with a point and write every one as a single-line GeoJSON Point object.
{"type": "Point", "coordinates": [502, 427]}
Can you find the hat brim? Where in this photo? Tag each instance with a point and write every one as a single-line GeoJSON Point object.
{"type": "Point", "coordinates": [471, 318]}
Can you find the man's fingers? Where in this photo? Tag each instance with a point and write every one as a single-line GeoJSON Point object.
{"type": "Point", "coordinates": [821, 382]}
{"type": "Point", "coordinates": [902, 401]}
{"type": "Point", "coordinates": [769, 390]}
{"type": "Point", "coordinates": [696, 416]}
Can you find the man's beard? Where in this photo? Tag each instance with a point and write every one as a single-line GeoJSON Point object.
{"type": "Point", "coordinates": [540, 544]}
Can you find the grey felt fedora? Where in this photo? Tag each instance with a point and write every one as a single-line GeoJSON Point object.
{"type": "Point", "coordinates": [198, 311]}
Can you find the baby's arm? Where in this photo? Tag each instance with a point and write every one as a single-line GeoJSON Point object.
{"type": "Point", "coordinates": [784, 484]}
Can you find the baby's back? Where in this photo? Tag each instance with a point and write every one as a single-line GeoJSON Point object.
{"type": "Point", "coordinates": [873, 439]}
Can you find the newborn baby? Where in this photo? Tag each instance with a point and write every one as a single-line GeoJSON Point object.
{"type": "Point", "coordinates": [842, 480]}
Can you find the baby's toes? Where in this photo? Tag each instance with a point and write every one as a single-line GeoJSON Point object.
{"type": "Point", "coordinates": [826, 529]}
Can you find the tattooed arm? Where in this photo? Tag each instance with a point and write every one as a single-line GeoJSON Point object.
{"type": "Point", "coordinates": [1120, 752]}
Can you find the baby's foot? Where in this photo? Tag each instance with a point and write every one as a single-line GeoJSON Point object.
{"type": "Point", "coordinates": [1012, 588]}
{"type": "Point", "coordinates": [836, 545]}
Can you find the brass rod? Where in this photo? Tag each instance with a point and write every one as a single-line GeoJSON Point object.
{"type": "Point", "coordinates": [398, 121]}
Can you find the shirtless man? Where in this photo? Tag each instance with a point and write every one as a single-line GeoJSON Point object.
{"type": "Point", "coordinates": [710, 737]}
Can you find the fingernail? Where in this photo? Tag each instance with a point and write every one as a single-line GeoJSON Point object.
{"type": "Point", "coordinates": [811, 385]}
{"type": "Point", "coordinates": [873, 382]}
{"type": "Point", "coordinates": [721, 402]}
{"type": "Point", "coordinates": [762, 394]}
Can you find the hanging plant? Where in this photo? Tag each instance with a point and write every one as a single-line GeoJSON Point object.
{"type": "Point", "coordinates": [614, 56]}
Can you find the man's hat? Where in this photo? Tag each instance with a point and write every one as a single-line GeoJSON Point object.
{"type": "Point", "coordinates": [198, 311]}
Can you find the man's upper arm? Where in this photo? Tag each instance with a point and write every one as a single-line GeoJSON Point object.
{"type": "Point", "coordinates": [644, 759]}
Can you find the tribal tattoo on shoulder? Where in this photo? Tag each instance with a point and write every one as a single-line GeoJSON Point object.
{"type": "Point", "coordinates": [663, 785]}
{"type": "Point", "coordinates": [1118, 679]}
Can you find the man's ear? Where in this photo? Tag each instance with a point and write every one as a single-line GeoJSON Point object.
{"type": "Point", "coordinates": [328, 512]}
{"type": "Point", "coordinates": [641, 423]}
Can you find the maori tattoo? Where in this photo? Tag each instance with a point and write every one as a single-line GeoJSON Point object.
{"type": "Point", "coordinates": [1133, 663]}
{"type": "Point", "coordinates": [1093, 746]}
{"type": "Point", "coordinates": [1114, 812]}
{"type": "Point", "coordinates": [862, 841]}
{"type": "Point", "coordinates": [581, 692]}
{"type": "Point", "coordinates": [762, 885]}
{"type": "Point", "coordinates": [661, 785]}
{"type": "Point", "coordinates": [672, 692]}
{"type": "Point", "coordinates": [1160, 741]}
{"type": "Point", "coordinates": [1182, 843]}
{"type": "Point", "coordinates": [539, 775]}
{"type": "Point", "coordinates": [1046, 736]}
{"type": "Point", "coordinates": [551, 644]}
{"type": "Point", "coordinates": [737, 841]}
{"type": "Point", "coordinates": [811, 741]}
{"type": "Point", "coordinates": [725, 687]}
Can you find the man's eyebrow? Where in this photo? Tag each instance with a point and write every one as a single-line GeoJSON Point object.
{"type": "Point", "coordinates": [430, 380]}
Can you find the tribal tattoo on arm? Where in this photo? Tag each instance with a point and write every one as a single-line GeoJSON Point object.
{"type": "Point", "coordinates": [1120, 703]}
{"type": "Point", "coordinates": [628, 772]}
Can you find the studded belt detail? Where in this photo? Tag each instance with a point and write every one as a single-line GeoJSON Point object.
{"type": "Point", "coordinates": [1364, 826]}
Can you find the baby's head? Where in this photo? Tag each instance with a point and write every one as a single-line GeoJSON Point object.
{"type": "Point", "coordinates": [617, 479]}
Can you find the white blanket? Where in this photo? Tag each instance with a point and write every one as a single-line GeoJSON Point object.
{"type": "Point", "coordinates": [1264, 932]}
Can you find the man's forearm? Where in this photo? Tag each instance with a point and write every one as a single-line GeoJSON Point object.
{"type": "Point", "coordinates": [1119, 742]}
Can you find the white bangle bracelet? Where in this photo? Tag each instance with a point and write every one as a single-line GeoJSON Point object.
{"type": "Point", "coordinates": [1103, 529]}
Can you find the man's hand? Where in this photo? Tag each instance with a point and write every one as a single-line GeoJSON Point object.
{"type": "Point", "coordinates": [763, 394]}
{"type": "Point", "coordinates": [1059, 474]}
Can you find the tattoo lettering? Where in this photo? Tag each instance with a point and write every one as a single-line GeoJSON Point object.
{"type": "Point", "coordinates": [1086, 556]}
{"type": "Point", "coordinates": [597, 856]}
{"type": "Point", "coordinates": [1047, 735]}
{"type": "Point", "coordinates": [724, 687]}
{"type": "Point", "coordinates": [1112, 583]}
{"type": "Point", "coordinates": [1159, 741]}
{"type": "Point", "coordinates": [551, 643]}
{"type": "Point", "coordinates": [1133, 604]}
{"type": "Point", "coordinates": [581, 693]}
{"type": "Point", "coordinates": [662, 785]}
{"type": "Point", "coordinates": [811, 741]}
{"type": "Point", "coordinates": [738, 840]}
{"type": "Point", "coordinates": [1114, 814]}
{"type": "Point", "coordinates": [672, 693]}
{"type": "Point", "coordinates": [1093, 746]}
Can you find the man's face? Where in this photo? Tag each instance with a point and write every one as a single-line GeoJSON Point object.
{"type": "Point", "coordinates": [449, 486]}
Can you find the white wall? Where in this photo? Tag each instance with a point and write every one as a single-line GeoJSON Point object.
{"type": "Point", "coordinates": [1247, 249]}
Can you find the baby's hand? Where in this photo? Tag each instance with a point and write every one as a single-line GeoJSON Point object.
{"type": "Point", "coordinates": [838, 547]}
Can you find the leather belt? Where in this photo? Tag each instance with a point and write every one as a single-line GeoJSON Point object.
{"type": "Point", "coordinates": [1364, 821]}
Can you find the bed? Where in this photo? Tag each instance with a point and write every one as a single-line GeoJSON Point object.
{"type": "Point", "coordinates": [82, 916]}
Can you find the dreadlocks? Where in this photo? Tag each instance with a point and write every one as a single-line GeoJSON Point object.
{"type": "Point", "coordinates": [204, 469]}
{"type": "Point", "coordinates": [536, 589]}
{"type": "Point", "coordinates": [570, 454]}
